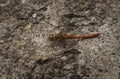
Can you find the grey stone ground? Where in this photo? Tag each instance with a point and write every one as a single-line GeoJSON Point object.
{"type": "Point", "coordinates": [26, 53]}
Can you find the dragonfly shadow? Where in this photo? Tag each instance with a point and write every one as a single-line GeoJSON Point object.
{"type": "Point", "coordinates": [69, 43]}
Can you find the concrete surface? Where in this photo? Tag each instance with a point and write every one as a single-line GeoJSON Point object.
{"type": "Point", "coordinates": [26, 52]}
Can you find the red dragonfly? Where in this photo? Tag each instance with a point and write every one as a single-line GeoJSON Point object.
{"type": "Point", "coordinates": [61, 36]}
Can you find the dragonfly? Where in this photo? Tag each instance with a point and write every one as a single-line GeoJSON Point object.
{"type": "Point", "coordinates": [61, 36]}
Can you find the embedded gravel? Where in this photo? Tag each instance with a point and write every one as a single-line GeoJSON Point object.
{"type": "Point", "coordinates": [26, 52]}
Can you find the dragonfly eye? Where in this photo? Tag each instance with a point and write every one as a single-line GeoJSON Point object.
{"type": "Point", "coordinates": [51, 37]}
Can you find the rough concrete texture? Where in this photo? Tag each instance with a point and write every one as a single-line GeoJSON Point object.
{"type": "Point", "coordinates": [26, 52]}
